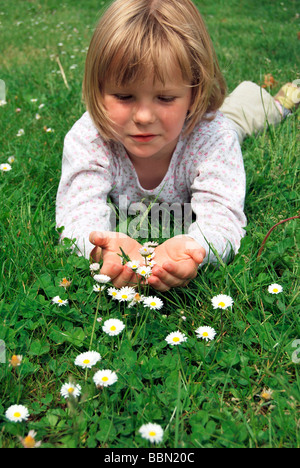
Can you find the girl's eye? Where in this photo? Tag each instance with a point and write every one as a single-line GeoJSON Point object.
{"type": "Point", "coordinates": [166, 98]}
{"type": "Point", "coordinates": [123, 97]}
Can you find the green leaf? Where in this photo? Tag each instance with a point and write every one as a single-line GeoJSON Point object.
{"type": "Point", "coordinates": [37, 348]}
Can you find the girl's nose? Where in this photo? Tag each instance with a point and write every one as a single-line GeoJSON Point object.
{"type": "Point", "coordinates": [143, 114]}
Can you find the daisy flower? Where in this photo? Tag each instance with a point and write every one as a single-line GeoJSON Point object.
{"type": "Point", "coordinates": [94, 266]}
{"type": "Point", "coordinates": [126, 293]}
{"type": "Point", "coordinates": [65, 283]}
{"type": "Point", "coordinates": [146, 250]}
{"type": "Point", "coordinates": [113, 292]}
{"type": "Point", "coordinates": [133, 264]}
{"type": "Point", "coordinates": [266, 394]}
{"type": "Point", "coordinates": [150, 244]}
{"type": "Point", "coordinates": [15, 360]}
{"type": "Point", "coordinates": [113, 326]}
{"type": "Point", "coordinates": [11, 159]}
{"type": "Point", "coordinates": [102, 278]}
{"type": "Point", "coordinates": [104, 378]}
{"type": "Point", "coordinates": [176, 338]}
{"type": "Point", "coordinates": [5, 167]}
{"type": "Point", "coordinates": [2, 102]}
{"type": "Point", "coordinates": [61, 302]}
{"type": "Point", "coordinates": [153, 302]}
{"type": "Point", "coordinates": [221, 301]}
{"type": "Point", "coordinates": [207, 333]}
{"type": "Point", "coordinates": [98, 288]}
{"type": "Point", "coordinates": [275, 288]}
{"type": "Point", "coordinates": [152, 432]}
{"type": "Point", "coordinates": [17, 413]}
{"type": "Point", "coordinates": [20, 132]}
{"type": "Point", "coordinates": [144, 271]}
{"type": "Point", "coordinates": [29, 441]}
{"type": "Point", "coordinates": [137, 298]}
{"type": "Point", "coordinates": [70, 389]}
{"type": "Point", "coordinates": [87, 359]}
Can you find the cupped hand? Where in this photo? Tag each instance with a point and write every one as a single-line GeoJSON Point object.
{"type": "Point", "coordinates": [177, 261]}
{"type": "Point", "coordinates": [107, 246]}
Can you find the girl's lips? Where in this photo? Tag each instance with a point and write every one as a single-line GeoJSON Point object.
{"type": "Point", "coordinates": [143, 138]}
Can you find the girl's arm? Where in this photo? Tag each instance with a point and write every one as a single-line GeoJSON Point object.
{"type": "Point", "coordinates": [217, 198]}
{"type": "Point", "coordinates": [81, 203]}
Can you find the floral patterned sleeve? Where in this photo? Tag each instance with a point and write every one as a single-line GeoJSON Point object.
{"type": "Point", "coordinates": [217, 196]}
{"type": "Point", "coordinates": [81, 203]}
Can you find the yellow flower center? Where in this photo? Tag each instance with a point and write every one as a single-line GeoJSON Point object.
{"type": "Point", "coordinates": [113, 328]}
{"type": "Point", "coordinates": [70, 389]}
{"type": "Point", "coordinates": [65, 282]}
{"type": "Point", "coordinates": [221, 304]}
{"type": "Point", "coordinates": [86, 361]}
{"type": "Point", "coordinates": [59, 300]}
{"type": "Point", "coordinates": [176, 339]}
{"type": "Point", "coordinates": [205, 334]}
{"type": "Point", "coordinates": [124, 296]}
{"type": "Point", "coordinates": [275, 290]}
{"type": "Point", "coordinates": [15, 360]}
{"type": "Point", "coordinates": [114, 293]}
{"type": "Point", "coordinates": [17, 414]}
{"type": "Point", "coordinates": [29, 442]}
{"type": "Point", "coordinates": [104, 379]}
{"type": "Point", "coordinates": [153, 303]}
{"type": "Point", "coordinates": [152, 433]}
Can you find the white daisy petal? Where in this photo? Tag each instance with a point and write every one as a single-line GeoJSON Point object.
{"type": "Point", "coordinates": [112, 292]}
{"type": "Point", "coordinates": [206, 333]}
{"type": "Point", "coordinates": [176, 338]}
{"type": "Point", "coordinates": [17, 413]}
{"type": "Point", "coordinates": [104, 378]}
{"type": "Point", "coordinates": [94, 266]}
{"type": "Point", "coordinates": [87, 359]}
{"type": "Point", "coordinates": [98, 288]}
{"type": "Point", "coordinates": [113, 326]}
{"type": "Point", "coordinates": [60, 302]}
{"type": "Point", "coordinates": [5, 167]}
{"type": "Point", "coordinates": [222, 301]}
{"type": "Point", "coordinates": [153, 302]}
{"type": "Point", "coordinates": [102, 278]}
{"type": "Point", "coordinates": [275, 288]}
{"type": "Point", "coordinates": [152, 432]}
{"type": "Point", "coordinates": [126, 293]}
{"type": "Point", "coordinates": [133, 264]}
{"type": "Point", "coordinates": [69, 389]}
{"type": "Point", "coordinates": [144, 271]}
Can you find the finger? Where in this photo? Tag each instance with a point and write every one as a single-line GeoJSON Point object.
{"type": "Point", "coordinates": [111, 269]}
{"type": "Point", "coordinates": [99, 239]}
{"type": "Point", "coordinates": [157, 284]}
{"type": "Point", "coordinates": [162, 279]}
{"type": "Point", "coordinates": [125, 278]}
{"type": "Point", "coordinates": [196, 254]}
{"type": "Point", "coordinates": [182, 270]}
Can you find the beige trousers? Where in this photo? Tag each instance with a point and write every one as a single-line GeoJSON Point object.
{"type": "Point", "coordinates": [250, 108]}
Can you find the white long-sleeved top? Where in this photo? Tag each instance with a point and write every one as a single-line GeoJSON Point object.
{"type": "Point", "coordinates": [206, 172]}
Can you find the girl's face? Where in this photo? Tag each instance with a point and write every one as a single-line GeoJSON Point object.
{"type": "Point", "coordinates": [148, 117]}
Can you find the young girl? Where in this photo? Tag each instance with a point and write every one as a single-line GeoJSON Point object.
{"type": "Point", "coordinates": [153, 131]}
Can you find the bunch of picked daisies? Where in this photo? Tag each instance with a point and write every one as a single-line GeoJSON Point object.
{"type": "Point", "coordinates": [129, 294]}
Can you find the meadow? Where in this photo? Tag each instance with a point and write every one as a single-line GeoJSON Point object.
{"type": "Point", "coordinates": [239, 389]}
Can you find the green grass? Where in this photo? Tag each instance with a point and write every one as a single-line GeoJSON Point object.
{"type": "Point", "coordinates": [203, 394]}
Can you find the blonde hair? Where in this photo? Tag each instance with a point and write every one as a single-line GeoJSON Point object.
{"type": "Point", "coordinates": [135, 37]}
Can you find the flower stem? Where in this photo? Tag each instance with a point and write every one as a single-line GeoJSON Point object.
{"type": "Point", "coordinates": [95, 320]}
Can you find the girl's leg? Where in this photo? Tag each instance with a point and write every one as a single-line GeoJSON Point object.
{"type": "Point", "coordinates": [250, 108]}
